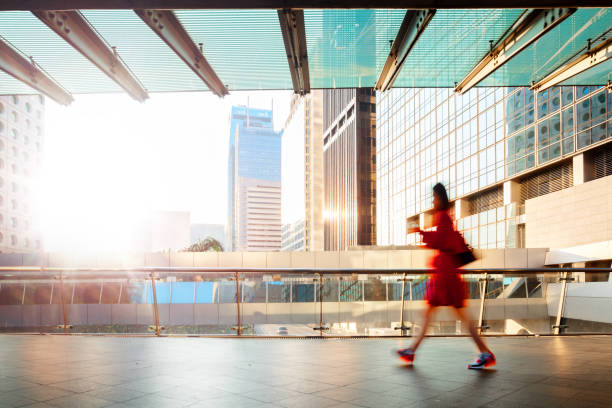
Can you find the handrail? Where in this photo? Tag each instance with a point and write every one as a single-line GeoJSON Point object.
{"type": "Point", "coordinates": [37, 274]}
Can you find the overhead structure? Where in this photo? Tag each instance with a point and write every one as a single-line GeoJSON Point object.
{"type": "Point", "coordinates": [531, 26]}
{"type": "Point", "coordinates": [298, 4]}
{"type": "Point", "coordinates": [412, 27]}
{"type": "Point", "coordinates": [167, 26]}
{"type": "Point", "coordinates": [591, 58]}
{"type": "Point", "coordinates": [27, 72]}
{"type": "Point", "coordinates": [294, 36]}
{"type": "Point", "coordinates": [74, 29]}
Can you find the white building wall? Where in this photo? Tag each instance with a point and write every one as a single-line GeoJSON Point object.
{"type": "Point", "coordinates": [21, 144]}
{"type": "Point", "coordinates": [572, 217]}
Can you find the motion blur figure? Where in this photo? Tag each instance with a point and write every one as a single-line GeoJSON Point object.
{"type": "Point", "coordinates": [446, 287]}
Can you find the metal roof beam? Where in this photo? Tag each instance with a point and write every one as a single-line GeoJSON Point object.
{"type": "Point", "coordinates": [531, 26]}
{"type": "Point", "coordinates": [294, 37]}
{"type": "Point", "coordinates": [27, 72]}
{"type": "Point", "coordinates": [167, 26]}
{"type": "Point", "coordinates": [595, 56]}
{"type": "Point", "coordinates": [76, 31]}
{"type": "Point", "coordinates": [413, 25]}
{"type": "Point", "coordinates": [300, 4]}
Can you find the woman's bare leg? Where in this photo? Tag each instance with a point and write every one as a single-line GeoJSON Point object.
{"type": "Point", "coordinates": [418, 340]}
{"type": "Point", "coordinates": [465, 319]}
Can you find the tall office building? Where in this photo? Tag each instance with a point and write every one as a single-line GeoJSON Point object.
{"type": "Point", "coordinates": [21, 141]}
{"type": "Point", "coordinates": [254, 182]}
{"type": "Point", "coordinates": [524, 168]}
{"type": "Point", "coordinates": [349, 144]}
{"type": "Point", "coordinates": [302, 175]}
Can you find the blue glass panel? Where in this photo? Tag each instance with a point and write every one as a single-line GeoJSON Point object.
{"type": "Point", "coordinates": [182, 292]}
{"type": "Point", "coordinates": [204, 292]}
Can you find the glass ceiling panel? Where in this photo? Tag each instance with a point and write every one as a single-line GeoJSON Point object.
{"type": "Point", "coordinates": [598, 75]}
{"type": "Point", "coordinates": [10, 85]}
{"type": "Point", "coordinates": [348, 48]}
{"type": "Point", "coordinates": [553, 49]}
{"type": "Point", "coordinates": [147, 55]}
{"type": "Point", "coordinates": [452, 44]}
{"type": "Point", "coordinates": [244, 47]}
{"type": "Point", "coordinates": [62, 62]}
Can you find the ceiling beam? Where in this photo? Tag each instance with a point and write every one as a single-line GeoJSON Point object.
{"type": "Point", "coordinates": [591, 58]}
{"type": "Point", "coordinates": [415, 22]}
{"type": "Point", "coordinates": [27, 72]}
{"type": "Point", "coordinates": [76, 31]}
{"type": "Point", "coordinates": [294, 36]}
{"type": "Point", "coordinates": [167, 26]}
{"type": "Point", "coordinates": [300, 4]}
{"type": "Point", "coordinates": [530, 27]}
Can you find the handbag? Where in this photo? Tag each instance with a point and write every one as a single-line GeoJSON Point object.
{"type": "Point", "coordinates": [465, 255]}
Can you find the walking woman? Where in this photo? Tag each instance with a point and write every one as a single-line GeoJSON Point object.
{"type": "Point", "coordinates": [446, 287]}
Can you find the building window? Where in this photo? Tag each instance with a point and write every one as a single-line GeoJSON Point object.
{"type": "Point", "coordinates": [14, 187]}
{"type": "Point", "coordinates": [26, 243]}
{"type": "Point", "coordinates": [13, 240]}
{"type": "Point", "coordinates": [15, 99]}
{"type": "Point", "coordinates": [14, 204]}
{"type": "Point", "coordinates": [41, 99]}
{"type": "Point", "coordinates": [26, 140]}
{"type": "Point", "coordinates": [28, 123]}
{"type": "Point", "coordinates": [25, 157]}
{"type": "Point", "coordinates": [13, 222]}
{"type": "Point", "coordinates": [1, 108]}
{"type": "Point", "coordinates": [15, 152]}
{"type": "Point", "coordinates": [15, 134]}
{"type": "Point", "coordinates": [15, 116]}
{"type": "Point", "coordinates": [14, 168]}
{"type": "Point", "coordinates": [1, 126]}
{"type": "Point", "coordinates": [28, 107]}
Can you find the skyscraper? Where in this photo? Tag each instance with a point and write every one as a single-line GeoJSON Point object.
{"type": "Point", "coordinates": [254, 182]}
{"type": "Point", "coordinates": [349, 146]}
{"type": "Point", "coordinates": [21, 141]}
{"type": "Point", "coordinates": [302, 175]}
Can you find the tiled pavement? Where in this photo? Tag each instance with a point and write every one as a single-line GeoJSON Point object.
{"type": "Point", "coordinates": [80, 371]}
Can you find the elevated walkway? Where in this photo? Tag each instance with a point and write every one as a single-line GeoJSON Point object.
{"type": "Point", "coordinates": [85, 371]}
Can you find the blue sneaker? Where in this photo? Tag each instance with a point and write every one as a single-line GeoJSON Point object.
{"type": "Point", "coordinates": [484, 360]}
{"type": "Point", "coordinates": [406, 354]}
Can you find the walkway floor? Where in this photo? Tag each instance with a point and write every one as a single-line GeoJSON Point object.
{"type": "Point", "coordinates": [80, 371]}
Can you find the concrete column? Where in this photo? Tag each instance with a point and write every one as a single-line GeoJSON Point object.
{"type": "Point", "coordinates": [582, 168]}
{"type": "Point", "coordinates": [462, 208]}
{"type": "Point", "coordinates": [512, 192]}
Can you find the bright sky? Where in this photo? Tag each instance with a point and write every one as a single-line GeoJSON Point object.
{"type": "Point", "coordinates": [109, 161]}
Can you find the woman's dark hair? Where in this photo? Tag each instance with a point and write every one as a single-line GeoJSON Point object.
{"type": "Point", "coordinates": [440, 192]}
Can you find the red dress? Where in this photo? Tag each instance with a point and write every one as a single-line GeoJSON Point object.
{"type": "Point", "coordinates": [445, 287]}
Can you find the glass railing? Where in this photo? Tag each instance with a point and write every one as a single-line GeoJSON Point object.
{"type": "Point", "coordinates": [298, 302]}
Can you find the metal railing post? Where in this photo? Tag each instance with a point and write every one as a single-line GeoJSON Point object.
{"type": "Point", "coordinates": [63, 303]}
{"type": "Point", "coordinates": [239, 328]}
{"type": "Point", "coordinates": [320, 328]}
{"type": "Point", "coordinates": [155, 308]}
{"type": "Point", "coordinates": [558, 327]}
{"type": "Point", "coordinates": [483, 294]}
{"type": "Point", "coordinates": [404, 329]}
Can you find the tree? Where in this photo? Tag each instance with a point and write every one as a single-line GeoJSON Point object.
{"type": "Point", "coordinates": [208, 244]}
